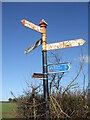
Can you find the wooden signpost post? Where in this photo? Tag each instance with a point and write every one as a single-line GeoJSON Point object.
{"type": "Point", "coordinates": [45, 47]}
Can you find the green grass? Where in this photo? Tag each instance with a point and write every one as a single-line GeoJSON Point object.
{"type": "Point", "coordinates": [0, 110]}
{"type": "Point", "coordinates": [8, 109]}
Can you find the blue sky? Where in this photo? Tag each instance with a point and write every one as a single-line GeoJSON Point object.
{"type": "Point", "coordinates": [65, 21]}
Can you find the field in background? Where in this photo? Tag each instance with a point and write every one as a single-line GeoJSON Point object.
{"type": "Point", "coordinates": [8, 110]}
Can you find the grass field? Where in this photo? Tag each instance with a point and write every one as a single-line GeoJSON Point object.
{"type": "Point", "coordinates": [8, 110]}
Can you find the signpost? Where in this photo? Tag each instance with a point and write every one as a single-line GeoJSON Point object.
{"type": "Point", "coordinates": [64, 44]}
{"type": "Point", "coordinates": [37, 76]}
{"type": "Point", "coordinates": [42, 29]}
{"type": "Point", "coordinates": [32, 47]}
{"type": "Point", "coordinates": [53, 68]}
{"type": "Point", "coordinates": [32, 26]}
{"type": "Point", "coordinates": [62, 67]}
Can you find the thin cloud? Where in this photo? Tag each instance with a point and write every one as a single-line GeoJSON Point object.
{"type": "Point", "coordinates": [85, 57]}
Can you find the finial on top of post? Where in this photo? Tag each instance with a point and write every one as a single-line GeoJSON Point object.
{"type": "Point", "coordinates": [43, 23]}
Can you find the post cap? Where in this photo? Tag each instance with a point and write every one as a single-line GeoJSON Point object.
{"type": "Point", "coordinates": [43, 23]}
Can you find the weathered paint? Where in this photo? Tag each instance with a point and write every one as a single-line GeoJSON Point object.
{"type": "Point", "coordinates": [32, 26]}
{"type": "Point", "coordinates": [43, 25]}
{"type": "Point", "coordinates": [43, 42]}
{"type": "Point", "coordinates": [65, 44]}
{"type": "Point", "coordinates": [32, 47]}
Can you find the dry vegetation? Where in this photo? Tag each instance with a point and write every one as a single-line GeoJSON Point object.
{"type": "Point", "coordinates": [62, 103]}
{"type": "Point", "coordinates": [71, 105]}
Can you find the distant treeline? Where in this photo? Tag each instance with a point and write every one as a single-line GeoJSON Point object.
{"type": "Point", "coordinates": [9, 100]}
{"type": "Point", "coordinates": [20, 119]}
{"type": "Point", "coordinates": [4, 101]}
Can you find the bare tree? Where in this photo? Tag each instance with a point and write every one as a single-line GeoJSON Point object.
{"type": "Point", "coordinates": [63, 103]}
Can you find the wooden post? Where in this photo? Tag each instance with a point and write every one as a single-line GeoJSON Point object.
{"type": "Point", "coordinates": [43, 26]}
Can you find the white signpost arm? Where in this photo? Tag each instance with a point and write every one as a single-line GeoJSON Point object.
{"type": "Point", "coordinates": [32, 26]}
{"type": "Point", "coordinates": [65, 44]}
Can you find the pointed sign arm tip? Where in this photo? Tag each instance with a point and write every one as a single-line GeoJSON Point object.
{"type": "Point", "coordinates": [23, 22]}
{"type": "Point", "coordinates": [69, 66]}
{"type": "Point", "coordinates": [83, 41]}
{"type": "Point", "coordinates": [24, 52]}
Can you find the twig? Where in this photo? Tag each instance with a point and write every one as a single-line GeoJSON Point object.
{"type": "Point", "coordinates": [74, 78]}
{"type": "Point", "coordinates": [60, 107]}
{"type": "Point", "coordinates": [53, 105]}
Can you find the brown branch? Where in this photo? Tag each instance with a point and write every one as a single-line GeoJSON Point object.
{"type": "Point", "coordinates": [74, 78]}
